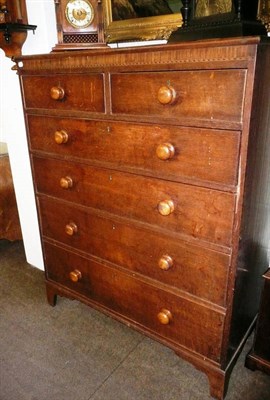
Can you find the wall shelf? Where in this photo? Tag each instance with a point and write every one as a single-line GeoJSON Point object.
{"type": "Point", "coordinates": [9, 28]}
{"type": "Point", "coordinates": [13, 26]}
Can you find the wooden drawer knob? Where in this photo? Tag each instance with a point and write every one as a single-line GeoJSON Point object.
{"type": "Point", "coordinates": [66, 182]}
{"type": "Point", "coordinates": [57, 93]}
{"type": "Point", "coordinates": [165, 151]}
{"type": "Point", "coordinates": [164, 316]}
{"type": "Point", "coordinates": [166, 95]}
{"type": "Point", "coordinates": [166, 207]}
{"type": "Point", "coordinates": [71, 229]}
{"type": "Point", "coordinates": [60, 137]}
{"type": "Point", "coordinates": [75, 275]}
{"type": "Point", "coordinates": [165, 262]}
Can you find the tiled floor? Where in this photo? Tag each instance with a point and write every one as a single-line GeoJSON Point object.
{"type": "Point", "coordinates": [72, 352]}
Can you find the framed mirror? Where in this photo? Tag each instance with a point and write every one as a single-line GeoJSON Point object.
{"type": "Point", "coordinates": [139, 20]}
{"type": "Point", "coordinates": [222, 10]}
{"type": "Point", "coordinates": [213, 9]}
{"type": "Point", "coordinates": [204, 19]}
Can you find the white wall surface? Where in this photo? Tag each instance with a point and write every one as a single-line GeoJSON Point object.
{"type": "Point", "coordinates": [12, 126]}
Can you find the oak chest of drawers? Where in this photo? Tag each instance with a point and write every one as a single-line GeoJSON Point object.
{"type": "Point", "coordinates": [147, 166]}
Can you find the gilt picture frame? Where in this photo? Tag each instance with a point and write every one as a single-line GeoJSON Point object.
{"type": "Point", "coordinates": [264, 13]}
{"type": "Point", "coordinates": [137, 28]}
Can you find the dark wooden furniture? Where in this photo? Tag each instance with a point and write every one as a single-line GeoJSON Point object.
{"type": "Point", "coordinates": [259, 356]}
{"type": "Point", "coordinates": [9, 219]}
{"type": "Point", "coordinates": [146, 175]}
{"type": "Point", "coordinates": [202, 20]}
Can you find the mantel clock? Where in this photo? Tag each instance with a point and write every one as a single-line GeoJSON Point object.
{"type": "Point", "coordinates": [79, 24]}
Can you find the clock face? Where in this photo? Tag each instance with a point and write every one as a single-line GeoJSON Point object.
{"type": "Point", "coordinates": [79, 13]}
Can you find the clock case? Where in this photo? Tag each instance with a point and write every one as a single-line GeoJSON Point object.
{"type": "Point", "coordinates": [71, 38]}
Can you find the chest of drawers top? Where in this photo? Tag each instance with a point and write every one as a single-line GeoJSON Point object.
{"type": "Point", "coordinates": [196, 84]}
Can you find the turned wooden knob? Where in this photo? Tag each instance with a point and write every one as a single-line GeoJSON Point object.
{"type": "Point", "coordinates": [165, 151]}
{"type": "Point", "coordinates": [166, 95]}
{"type": "Point", "coordinates": [57, 93]}
{"type": "Point", "coordinates": [164, 316]}
{"type": "Point", "coordinates": [71, 229]}
{"type": "Point", "coordinates": [165, 262]}
{"type": "Point", "coordinates": [75, 275]}
{"type": "Point", "coordinates": [166, 207]}
{"type": "Point", "coordinates": [66, 182]}
{"type": "Point", "coordinates": [60, 137]}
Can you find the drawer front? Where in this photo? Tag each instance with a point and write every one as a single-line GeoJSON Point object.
{"type": "Point", "coordinates": [199, 271]}
{"type": "Point", "coordinates": [171, 152]}
{"type": "Point", "coordinates": [77, 92]}
{"type": "Point", "coordinates": [190, 210]}
{"type": "Point", "coordinates": [215, 95]}
{"type": "Point", "coordinates": [190, 324]}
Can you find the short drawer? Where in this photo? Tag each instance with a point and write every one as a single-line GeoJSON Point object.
{"type": "Point", "coordinates": [175, 153]}
{"type": "Point", "coordinates": [214, 95]}
{"type": "Point", "coordinates": [164, 314]}
{"type": "Point", "coordinates": [65, 92]}
{"type": "Point", "coordinates": [190, 210]}
{"type": "Point", "coordinates": [197, 270]}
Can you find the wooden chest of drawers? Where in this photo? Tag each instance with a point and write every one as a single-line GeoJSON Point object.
{"type": "Point", "coordinates": [147, 168]}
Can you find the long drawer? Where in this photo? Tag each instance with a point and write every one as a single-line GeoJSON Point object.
{"type": "Point", "coordinates": [199, 271]}
{"type": "Point", "coordinates": [168, 316]}
{"type": "Point", "coordinates": [65, 92]}
{"type": "Point", "coordinates": [213, 95]}
{"type": "Point", "coordinates": [170, 152]}
{"type": "Point", "coordinates": [190, 210]}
